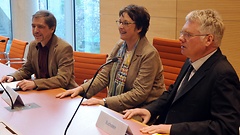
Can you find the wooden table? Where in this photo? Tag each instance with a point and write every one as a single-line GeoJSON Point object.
{"type": "Point", "coordinates": [5, 70]}
{"type": "Point", "coordinates": [53, 115]}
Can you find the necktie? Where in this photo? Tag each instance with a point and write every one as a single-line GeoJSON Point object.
{"type": "Point", "coordinates": [185, 81]}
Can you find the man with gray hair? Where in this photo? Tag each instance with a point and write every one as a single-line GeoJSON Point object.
{"type": "Point", "coordinates": [205, 98]}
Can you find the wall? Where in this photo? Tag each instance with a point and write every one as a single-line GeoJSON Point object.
{"type": "Point", "coordinates": [167, 19]}
{"type": "Point", "coordinates": [22, 11]}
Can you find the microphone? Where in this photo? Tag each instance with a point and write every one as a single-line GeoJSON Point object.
{"type": "Point", "coordinates": [115, 59]}
{"type": "Point", "coordinates": [3, 40]}
{"type": "Point", "coordinates": [12, 107]}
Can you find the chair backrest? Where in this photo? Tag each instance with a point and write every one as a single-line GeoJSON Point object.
{"type": "Point", "coordinates": [172, 59]}
{"type": "Point", "coordinates": [86, 65]}
{"type": "Point", "coordinates": [3, 45]}
{"type": "Point", "coordinates": [17, 50]}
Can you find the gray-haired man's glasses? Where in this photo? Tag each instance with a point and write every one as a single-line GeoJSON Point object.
{"type": "Point", "coordinates": [189, 35]}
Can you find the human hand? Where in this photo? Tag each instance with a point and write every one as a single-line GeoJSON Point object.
{"type": "Point", "coordinates": [7, 79]}
{"type": "Point", "coordinates": [73, 92]}
{"type": "Point", "coordinates": [26, 85]}
{"type": "Point", "coordinates": [162, 128]}
{"type": "Point", "coordinates": [144, 113]}
{"type": "Point", "coordinates": [93, 101]}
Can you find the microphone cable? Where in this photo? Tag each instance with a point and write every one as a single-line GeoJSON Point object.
{"type": "Point", "coordinates": [115, 59]}
{"type": "Point", "coordinates": [12, 107]}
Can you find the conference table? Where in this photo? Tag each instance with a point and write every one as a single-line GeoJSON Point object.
{"type": "Point", "coordinates": [51, 115]}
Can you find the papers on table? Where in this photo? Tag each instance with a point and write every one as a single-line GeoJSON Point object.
{"type": "Point", "coordinates": [12, 85]}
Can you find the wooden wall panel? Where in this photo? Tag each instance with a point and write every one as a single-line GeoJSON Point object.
{"type": "Point", "coordinates": [109, 33]}
{"type": "Point", "coordinates": [229, 9]}
{"type": "Point", "coordinates": [167, 19]}
{"type": "Point", "coordinates": [162, 27]}
{"type": "Point", "coordinates": [156, 8]}
{"type": "Point", "coordinates": [230, 44]}
{"type": "Point", "coordinates": [162, 22]}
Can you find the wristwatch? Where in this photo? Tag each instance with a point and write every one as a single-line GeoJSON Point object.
{"type": "Point", "coordinates": [105, 102]}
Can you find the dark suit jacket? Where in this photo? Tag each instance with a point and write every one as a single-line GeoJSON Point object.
{"type": "Point", "coordinates": [209, 105]}
{"type": "Point", "coordinates": [60, 66]}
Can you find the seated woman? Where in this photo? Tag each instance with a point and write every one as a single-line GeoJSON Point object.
{"type": "Point", "coordinates": [136, 79]}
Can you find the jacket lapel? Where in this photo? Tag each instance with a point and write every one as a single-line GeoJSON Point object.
{"type": "Point", "coordinates": [51, 56]}
{"type": "Point", "coordinates": [35, 62]}
{"type": "Point", "coordinates": [138, 51]}
{"type": "Point", "coordinates": [200, 73]}
{"type": "Point", "coordinates": [192, 82]}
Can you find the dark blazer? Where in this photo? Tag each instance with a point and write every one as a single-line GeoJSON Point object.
{"type": "Point", "coordinates": [209, 105]}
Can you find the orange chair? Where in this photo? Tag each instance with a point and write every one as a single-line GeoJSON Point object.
{"type": "Point", "coordinates": [172, 59]}
{"type": "Point", "coordinates": [3, 45]}
{"type": "Point", "coordinates": [86, 65]}
{"type": "Point", "coordinates": [15, 57]}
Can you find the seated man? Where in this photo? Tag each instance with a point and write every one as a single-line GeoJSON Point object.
{"type": "Point", "coordinates": [49, 58]}
{"type": "Point", "coordinates": [207, 103]}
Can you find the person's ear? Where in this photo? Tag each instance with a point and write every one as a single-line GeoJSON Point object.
{"type": "Point", "coordinates": [139, 30]}
{"type": "Point", "coordinates": [53, 28]}
{"type": "Point", "coordinates": [209, 39]}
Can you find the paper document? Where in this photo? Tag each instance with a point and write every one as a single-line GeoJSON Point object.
{"type": "Point", "coordinates": [12, 85]}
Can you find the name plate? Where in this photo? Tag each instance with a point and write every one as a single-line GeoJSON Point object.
{"type": "Point", "coordinates": [112, 125]}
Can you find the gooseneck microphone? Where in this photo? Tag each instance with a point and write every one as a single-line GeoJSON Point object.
{"type": "Point", "coordinates": [3, 40]}
{"type": "Point", "coordinates": [115, 59]}
{"type": "Point", "coordinates": [12, 107]}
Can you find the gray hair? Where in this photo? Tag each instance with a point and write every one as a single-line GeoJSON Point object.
{"type": "Point", "coordinates": [210, 23]}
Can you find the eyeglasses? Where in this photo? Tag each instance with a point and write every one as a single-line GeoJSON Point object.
{"type": "Point", "coordinates": [125, 23]}
{"type": "Point", "coordinates": [189, 35]}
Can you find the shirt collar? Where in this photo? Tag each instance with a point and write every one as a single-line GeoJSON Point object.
{"type": "Point", "coordinates": [197, 64]}
{"type": "Point", "coordinates": [39, 45]}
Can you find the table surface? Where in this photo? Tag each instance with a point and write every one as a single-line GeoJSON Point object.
{"type": "Point", "coordinates": [4, 70]}
{"type": "Point", "coordinates": [53, 114]}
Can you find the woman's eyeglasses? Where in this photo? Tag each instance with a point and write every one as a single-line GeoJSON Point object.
{"type": "Point", "coordinates": [124, 23]}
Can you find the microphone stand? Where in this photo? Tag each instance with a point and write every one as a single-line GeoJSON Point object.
{"type": "Point", "coordinates": [115, 59]}
{"type": "Point", "coordinates": [12, 107]}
